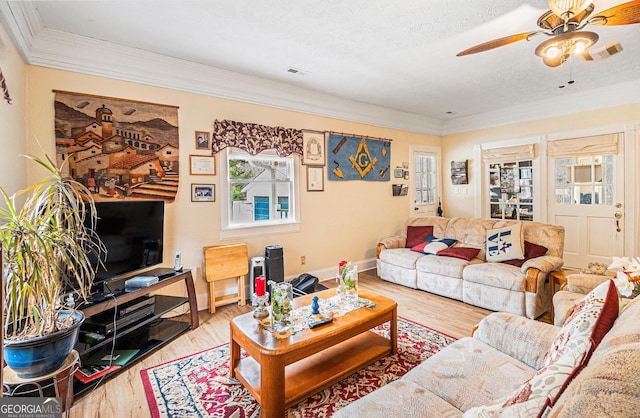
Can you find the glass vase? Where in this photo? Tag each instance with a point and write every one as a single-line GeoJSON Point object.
{"type": "Point", "coordinates": [281, 304]}
{"type": "Point", "coordinates": [349, 284]}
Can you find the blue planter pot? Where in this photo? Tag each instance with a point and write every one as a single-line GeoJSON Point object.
{"type": "Point", "coordinates": [43, 355]}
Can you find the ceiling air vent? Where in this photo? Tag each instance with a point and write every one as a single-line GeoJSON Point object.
{"type": "Point", "coordinates": [297, 71]}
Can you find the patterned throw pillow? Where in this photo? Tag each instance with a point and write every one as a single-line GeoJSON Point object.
{"type": "Point", "coordinates": [435, 245]}
{"type": "Point", "coordinates": [569, 353]}
{"type": "Point", "coordinates": [590, 320]}
{"type": "Point", "coordinates": [505, 243]}
{"type": "Point", "coordinates": [417, 235]}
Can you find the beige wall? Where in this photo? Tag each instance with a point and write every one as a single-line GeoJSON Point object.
{"type": "Point", "coordinates": [12, 118]}
{"type": "Point", "coordinates": [343, 222]}
{"type": "Point", "coordinates": [461, 146]}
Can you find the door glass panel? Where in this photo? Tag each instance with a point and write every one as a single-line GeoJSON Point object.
{"type": "Point", "coordinates": [585, 180]}
{"type": "Point", "coordinates": [425, 179]}
{"type": "Point", "coordinates": [582, 174]}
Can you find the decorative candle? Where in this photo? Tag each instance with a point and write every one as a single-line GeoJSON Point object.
{"type": "Point", "coordinates": [261, 283]}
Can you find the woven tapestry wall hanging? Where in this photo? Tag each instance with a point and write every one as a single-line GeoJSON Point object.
{"type": "Point", "coordinates": [119, 149]}
{"type": "Point", "coordinates": [358, 158]}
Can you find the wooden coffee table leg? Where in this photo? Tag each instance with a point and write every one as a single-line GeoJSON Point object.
{"type": "Point", "coordinates": [234, 355]}
{"type": "Point", "coordinates": [272, 388]}
{"type": "Point", "coordinates": [394, 332]}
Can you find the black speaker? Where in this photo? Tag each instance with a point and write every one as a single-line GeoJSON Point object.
{"type": "Point", "coordinates": [274, 263]}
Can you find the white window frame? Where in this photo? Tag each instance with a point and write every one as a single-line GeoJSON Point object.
{"type": "Point", "coordinates": [275, 226]}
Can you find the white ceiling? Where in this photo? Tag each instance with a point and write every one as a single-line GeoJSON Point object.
{"type": "Point", "coordinates": [375, 61]}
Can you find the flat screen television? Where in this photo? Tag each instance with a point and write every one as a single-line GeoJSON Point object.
{"type": "Point", "coordinates": [132, 232]}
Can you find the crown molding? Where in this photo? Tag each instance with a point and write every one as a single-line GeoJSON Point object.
{"type": "Point", "coordinates": [595, 99]}
{"type": "Point", "coordinates": [64, 51]}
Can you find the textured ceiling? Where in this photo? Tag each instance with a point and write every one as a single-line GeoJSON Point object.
{"type": "Point", "coordinates": [395, 55]}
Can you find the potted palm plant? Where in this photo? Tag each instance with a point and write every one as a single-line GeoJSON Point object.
{"type": "Point", "coordinates": [46, 244]}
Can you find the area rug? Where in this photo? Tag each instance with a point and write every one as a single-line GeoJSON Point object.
{"type": "Point", "coordinates": [199, 385]}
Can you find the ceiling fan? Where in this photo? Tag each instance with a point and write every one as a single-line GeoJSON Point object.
{"type": "Point", "coordinates": [564, 23]}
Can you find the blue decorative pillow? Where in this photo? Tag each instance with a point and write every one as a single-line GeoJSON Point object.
{"type": "Point", "coordinates": [438, 245]}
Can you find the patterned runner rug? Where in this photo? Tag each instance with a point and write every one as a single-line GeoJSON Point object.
{"type": "Point", "coordinates": [199, 385]}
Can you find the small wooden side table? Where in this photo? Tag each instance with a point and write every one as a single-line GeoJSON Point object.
{"type": "Point", "coordinates": [558, 277]}
{"type": "Point", "coordinates": [222, 262]}
{"type": "Point", "coordinates": [61, 380]}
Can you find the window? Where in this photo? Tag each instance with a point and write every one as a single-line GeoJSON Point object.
{"type": "Point", "coordinates": [425, 179]}
{"type": "Point", "coordinates": [585, 180]}
{"type": "Point", "coordinates": [422, 172]}
{"type": "Point", "coordinates": [261, 191]}
{"type": "Point", "coordinates": [283, 207]}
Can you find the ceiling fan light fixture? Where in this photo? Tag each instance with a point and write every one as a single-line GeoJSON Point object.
{"type": "Point", "coordinates": [565, 45]}
{"type": "Point", "coordinates": [579, 47]}
{"type": "Point", "coordinates": [552, 52]}
{"type": "Point", "coordinates": [568, 8]}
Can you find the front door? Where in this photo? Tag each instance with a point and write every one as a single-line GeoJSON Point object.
{"type": "Point", "coordinates": [586, 196]}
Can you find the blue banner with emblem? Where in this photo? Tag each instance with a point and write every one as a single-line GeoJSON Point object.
{"type": "Point", "coordinates": [358, 158]}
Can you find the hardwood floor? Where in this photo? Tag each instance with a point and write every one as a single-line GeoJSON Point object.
{"type": "Point", "coordinates": [123, 396]}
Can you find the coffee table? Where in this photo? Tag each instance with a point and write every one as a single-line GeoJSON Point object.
{"type": "Point", "coordinates": [279, 373]}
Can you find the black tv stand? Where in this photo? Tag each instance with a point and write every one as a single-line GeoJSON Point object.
{"type": "Point", "coordinates": [148, 334]}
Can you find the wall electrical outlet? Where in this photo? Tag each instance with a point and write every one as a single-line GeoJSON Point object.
{"type": "Point", "coordinates": [303, 259]}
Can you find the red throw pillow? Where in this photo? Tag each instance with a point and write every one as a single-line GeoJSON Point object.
{"type": "Point", "coordinates": [531, 250]}
{"type": "Point", "coordinates": [417, 235]}
{"type": "Point", "coordinates": [466, 253]}
{"type": "Point", "coordinates": [420, 247]}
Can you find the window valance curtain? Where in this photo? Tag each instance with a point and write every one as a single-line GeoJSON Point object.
{"type": "Point", "coordinates": [4, 88]}
{"type": "Point", "coordinates": [578, 147]}
{"type": "Point", "coordinates": [504, 154]}
{"type": "Point", "coordinates": [254, 138]}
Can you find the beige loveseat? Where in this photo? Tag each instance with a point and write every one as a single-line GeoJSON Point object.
{"type": "Point", "coordinates": [495, 286]}
{"type": "Point", "coordinates": [504, 352]}
{"type": "Point", "coordinates": [577, 286]}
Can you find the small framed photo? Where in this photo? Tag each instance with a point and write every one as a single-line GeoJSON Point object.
{"type": "Point", "coordinates": [313, 148]}
{"type": "Point", "coordinates": [202, 165]}
{"type": "Point", "coordinates": [398, 172]}
{"type": "Point", "coordinates": [315, 179]}
{"type": "Point", "coordinates": [203, 192]}
{"type": "Point", "coordinates": [202, 140]}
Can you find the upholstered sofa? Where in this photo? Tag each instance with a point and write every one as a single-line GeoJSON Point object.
{"type": "Point", "coordinates": [577, 286]}
{"type": "Point", "coordinates": [474, 373]}
{"type": "Point", "coordinates": [521, 290]}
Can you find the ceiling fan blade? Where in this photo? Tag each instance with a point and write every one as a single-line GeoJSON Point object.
{"type": "Point", "coordinates": [605, 52]}
{"type": "Point", "coordinates": [496, 43]}
{"type": "Point", "coordinates": [623, 14]}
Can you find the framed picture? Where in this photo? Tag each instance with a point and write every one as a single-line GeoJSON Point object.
{"type": "Point", "coordinates": [315, 179]}
{"type": "Point", "coordinates": [313, 148]}
{"type": "Point", "coordinates": [202, 165]}
{"type": "Point", "coordinates": [202, 140]}
{"type": "Point", "coordinates": [203, 192]}
{"type": "Point", "coordinates": [459, 172]}
{"type": "Point", "coordinates": [398, 172]}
